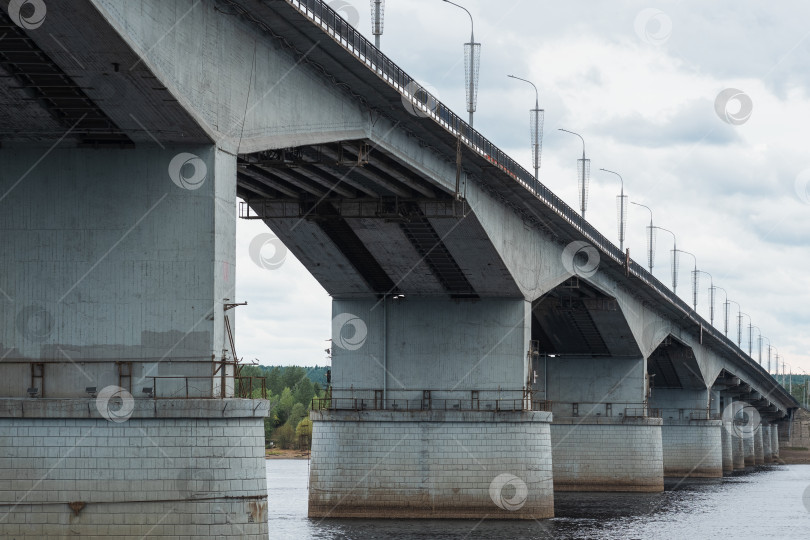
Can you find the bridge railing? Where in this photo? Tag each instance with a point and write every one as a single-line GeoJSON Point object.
{"type": "Point", "coordinates": [364, 401]}
{"type": "Point", "coordinates": [355, 43]}
{"type": "Point", "coordinates": [210, 387]}
{"type": "Point", "coordinates": [604, 409]}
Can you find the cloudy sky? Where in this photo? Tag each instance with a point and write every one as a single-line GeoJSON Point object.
{"type": "Point", "coordinates": [643, 83]}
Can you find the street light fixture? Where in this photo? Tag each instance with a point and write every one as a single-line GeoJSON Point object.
{"type": "Point", "coordinates": [674, 249]}
{"type": "Point", "coordinates": [536, 116]}
{"type": "Point", "coordinates": [377, 10]}
{"type": "Point", "coordinates": [472, 64]}
{"type": "Point", "coordinates": [769, 353]}
{"type": "Point", "coordinates": [725, 306]}
{"type": "Point", "coordinates": [621, 206]}
{"type": "Point", "coordinates": [694, 274]}
{"type": "Point", "coordinates": [739, 330]}
{"type": "Point", "coordinates": [711, 293]}
{"type": "Point", "coordinates": [759, 341]}
{"type": "Point", "coordinates": [650, 237]}
{"type": "Point", "coordinates": [583, 174]}
{"type": "Point", "coordinates": [739, 324]}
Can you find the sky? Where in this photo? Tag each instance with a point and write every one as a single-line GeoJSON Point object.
{"type": "Point", "coordinates": [702, 107]}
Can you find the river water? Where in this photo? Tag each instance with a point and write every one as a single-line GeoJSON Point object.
{"type": "Point", "coordinates": [770, 502]}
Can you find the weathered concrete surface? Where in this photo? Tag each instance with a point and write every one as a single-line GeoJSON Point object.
{"type": "Point", "coordinates": [767, 454]}
{"type": "Point", "coordinates": [431, 464]}
{"type": "Point", "coordinates": [692, 448]}
{"type": "Point", "coordinates": [775, 440]}
{"type": "Point", "coordinates": [728, 448]}
{"type": "Point", "coordinates": [158, 475]}
{"type": "Point", "coordinates": [748, 449]}
{"type": "Point", "coordinates": [759, 455]}
{"type": "Point", "coordinates": [738, 450]}
{"type": "Point", "coordinates": [607, 454]}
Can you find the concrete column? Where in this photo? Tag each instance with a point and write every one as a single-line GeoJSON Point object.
{"type": "Point", "coordinates": [607, 454]}
{"type": "Point", "coordinates": [428, 416]}
{"type": "Point", "coordinates": [775, 441]}
{"type": "Point", "coordinates": [766, 443]}
{"type": "Point", "coordinates": [692, 448]}
{"type": "Point", "coordinates": [728, 453]}
{"type": "Point", "coordinates": [759, 456]}
{"type": "Point", "coordinates": [748, 449]}
{"type": "Point", "coordinates": [737, 449]}
{"type": "Point", "coordinates": [116, 267]}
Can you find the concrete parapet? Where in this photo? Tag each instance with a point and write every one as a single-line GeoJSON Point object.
{"type": "Point", "coordinates": [726, 437]}
{"type": "Point", "coordinates": [759, 455]}
{"type": "Point", "coordinates": [184, 474]}
{"type": "Point", "coordinates": [692, 448]}
{"type": "Point", "coordinates": [431, 464]}
{"type": "Point", "coordinates": [607, 454]}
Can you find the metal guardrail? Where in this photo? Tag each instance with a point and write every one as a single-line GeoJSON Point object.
{"type": "Point", "coordinates": [355, 43]}
{"type": "Point", "coordinates": [467, 403]}
{"type": "Point", "coordinates": [642, 412]}
{"type": "Point", "coordinates": [182, 387]}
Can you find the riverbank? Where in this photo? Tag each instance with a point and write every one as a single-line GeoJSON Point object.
{"type": "Point", "coordinates": [278, 453]}
{"type": "Point", "coordinates": [794, 455]}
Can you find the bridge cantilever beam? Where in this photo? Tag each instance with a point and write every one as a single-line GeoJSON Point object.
{"type": "Point", "coordinates": [321, 168]}
{"type": "Point", "coordinates": [382, 182]}
{"type": "Point", "coordinates": [331, 184]}
{"type": "Point", "coordinates": [290, 179]}
{"type": "Point", "coordinates": [261, 177]}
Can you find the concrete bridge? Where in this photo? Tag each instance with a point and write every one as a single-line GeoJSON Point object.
{"type": "Point", "coordinates": [489, 346]}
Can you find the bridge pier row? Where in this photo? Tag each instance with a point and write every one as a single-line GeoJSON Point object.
{"type": "Point", "coordinates": [726, 438]}
{"type": "Point", "coordinates": [429, 416]}
{"type": "Point", "coordinates": [759, 450]}
{"type": "Point", "coordinates": [117, 407]}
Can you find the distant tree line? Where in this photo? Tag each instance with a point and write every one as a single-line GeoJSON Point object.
{"type": "Point", "coordinates": [290, 390]}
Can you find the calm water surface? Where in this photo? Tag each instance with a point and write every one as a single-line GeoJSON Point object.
{"type": "Point", "coordinates": [766, 503]}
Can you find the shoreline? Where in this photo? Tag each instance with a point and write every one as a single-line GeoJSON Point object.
{"type": "Point", "coordinates": [277, 453]}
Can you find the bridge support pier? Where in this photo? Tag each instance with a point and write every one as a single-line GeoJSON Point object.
{"type": "Point", "coordinates": [737, 449]}
{"type": "Point", "coordinates": [607, 454]}
{"type": "Point", "coordinates": [748, 449]}
{"type": "Point", "coordinates": [692, 448]}
{"type": "Point", "coordinates": [775, 442]}
{"type": "Point", "coordinates": [767, 455]}
{"type": "Point", "coordinates": [431, 464]}
{"type": "Point", "coordinates": [759, 455]}
{"type": "Point", "coordinates": [726, 438]}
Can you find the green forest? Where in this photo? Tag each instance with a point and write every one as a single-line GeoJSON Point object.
{"type": "Point", "coordinates": [290, 390]}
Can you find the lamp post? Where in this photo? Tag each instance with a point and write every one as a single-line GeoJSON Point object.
{"type": "Point", "coordinates": [769, 353]}
{"type": "Point", "coordinates": [759, 341]}
{"type": "Point", "coordinates": [711, 294]}
{"type": "Point", "coordinates": [739, 330]}
{"type": "Point", "coordinates": [536, 129]}
{"type": "Point", "coordinates": [650, 237]}
{"type": "Point", "coordinates": [694, 274]}
{"type": "Point", "coordinates": [583, 173]}
{"type": "Point", "coordinates": [739, 323]}
{"type": "Point", "coordinates": [725, 306]}
{"type": "Point", "coordinates": [377, 10]}
{"type": "Point", "coordinates": [621, 207]}
{"type": "Point", "coordinates": [674, 266]}
{"type": "Point", "coordinates": [472, 63]}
